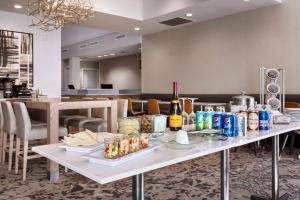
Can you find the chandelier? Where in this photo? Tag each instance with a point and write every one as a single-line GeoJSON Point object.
{"type": "Point", "coordinates": [51, 15]}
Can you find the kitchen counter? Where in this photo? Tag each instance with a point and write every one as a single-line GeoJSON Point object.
{"type": "Point", "coordinates": [100, 92]}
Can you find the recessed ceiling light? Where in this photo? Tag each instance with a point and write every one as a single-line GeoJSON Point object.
{"type": "Point", "coordinates": [18, 6]}
{"type": "Point", "coordinates": [246, 0]}
{"type": "Point", "coordinates": [99, 56]}
{"type": "Point", "coordinates": [112, 54]}
{"type": "Point", "coordinates": [189, 14]}
{"type": "Point", "coordinates": [105, 55]}
{"type": "Point", "coordinates": [137, 29]}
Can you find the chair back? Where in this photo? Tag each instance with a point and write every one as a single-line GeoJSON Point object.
{"type": "Point", "coordinates": [292, 105]}
{"type": "Point", "coordinates": [153, 107]}
{"type": "Point", "coordinates": [9, 118]}
{"type": "Point", "coordinates": [188, 106]}
{"type": "Point", "coordinates": [122, 107]}
{"type": "Point", "coordinates": [130, 107]}
{"type": "Point", "coordinates": [23, 120]}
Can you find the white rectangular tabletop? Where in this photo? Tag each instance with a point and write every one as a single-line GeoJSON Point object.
{"type": "Point", "coordinates": [161, 157]}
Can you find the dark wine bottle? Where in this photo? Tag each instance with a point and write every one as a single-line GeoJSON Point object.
{"type": "Point", "coordinates": [175, 117]}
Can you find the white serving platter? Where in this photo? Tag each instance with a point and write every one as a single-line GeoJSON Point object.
{"type": "Point", "coordinates": [98, 157]}
{"type": "Point", "coordinates": [88, 149]}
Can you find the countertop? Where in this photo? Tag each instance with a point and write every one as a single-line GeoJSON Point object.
{"type": "Point", "coordinates": [95, 92]}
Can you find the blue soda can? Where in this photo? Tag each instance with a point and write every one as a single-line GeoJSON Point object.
{"type": "Point", "coordinates": [208, 120]}
{"type": "Point", "coordinates": [228, 124]}
{"type": "Point", "coordinates": [264, 120]}
{"type": "Point", "coordinates": [199, 120]}
{"type": "Point", "coordinates": [218, 121]}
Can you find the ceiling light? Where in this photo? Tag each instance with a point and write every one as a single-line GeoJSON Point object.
{"type": "Point", "coordinates": [99, 56]}
{"type": "Point", "coordinates": [53, 14]}
{"type": "Point", "coordinates": [246, 0]}
{"type": "Point", "coordinates": [112, 54]}
{"type": "Point", "coordinates": [137, 29]}
{"type": "Point", "coordinates": [105, 55]}
{"type": "Point", "coordinates": [18, 6]}
{"type": "Point", "coordinates": [189, 14]}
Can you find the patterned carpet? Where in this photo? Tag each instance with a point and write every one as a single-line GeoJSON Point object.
{"type": "Point", "coordinates": [196, 179]}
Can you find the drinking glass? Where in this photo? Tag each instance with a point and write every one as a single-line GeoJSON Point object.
{"type": "Point", "coordinates": [185, 116]}
{"type": "Point", "coordinates": [192, 116]}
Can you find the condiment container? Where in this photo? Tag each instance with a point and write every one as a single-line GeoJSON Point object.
{"type": "Point", "coordinates": [111, 148]}
{"type": "Point", "coordinates": [147, 122]}
{"type": "Point", "coordinates": [144, 140]}
{"type": "Point", "coordinates": [134, 143]}
{"type": "Point", "coordinates": [123, 146]}
{"type": "Point", "coordinates": [160, 124]}
{"type": "Point", "coordinates": [129, 125]}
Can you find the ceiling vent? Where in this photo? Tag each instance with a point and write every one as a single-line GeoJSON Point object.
{"type": "Point", "coordinates": [124, 52]}
{"type": "Point", "coordinates": [83, 46]}
{"type": "Point", "coordinates": [94, 43]}
{"type": "Point", "coordinates": [175, 21]}
{"type": "Point", "coordinates": [120, 36]}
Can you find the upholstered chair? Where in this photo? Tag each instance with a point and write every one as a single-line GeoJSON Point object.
{"type": "Point", "coordinates": [9, 129]}
{"type": "Point", "coordinates": [26, 132]}
{"type": "Point", "coordinates": [101, 125]}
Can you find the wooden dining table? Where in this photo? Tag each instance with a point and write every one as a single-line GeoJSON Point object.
{"type": "Point", "coordinates": [52, 106]}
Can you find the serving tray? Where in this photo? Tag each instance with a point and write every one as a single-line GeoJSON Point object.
{"type": "Point", "coordinates": [98, 157]}
{"type": "Point", "coordinates": [88, 149]}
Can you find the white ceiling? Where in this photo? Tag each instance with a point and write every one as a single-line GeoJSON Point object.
{"type": "Point", "coordinates": [124, 15]}
{"type": "Point", "coordinates": [72, 34]}
{"type": "Point", "coordinates": [107, 44]}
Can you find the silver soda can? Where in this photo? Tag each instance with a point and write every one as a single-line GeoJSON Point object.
{"type": "Point", "coordinates": [241, 124]}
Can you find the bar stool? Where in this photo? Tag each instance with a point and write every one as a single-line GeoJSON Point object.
{"type": "Point", "coordinates": [1, 133]}
{"type": "Point", "coordinates": [153, 107]}
{"type": "Point", "coordinates": [27, 132]}
{"type": "Point", "coordinates": [101, 125]}
{"type": "Point", "coordinates": [9, 128]}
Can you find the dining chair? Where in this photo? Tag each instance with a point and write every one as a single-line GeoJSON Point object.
{"type": "Point", "coordinates": [26, 131]}
{"type": "Point", "coordinates": [130, 111]}
{"type": "Point", "coordinates": [101, 125]}
{"type": "Point", "coordinates": [9, 128]}
{"type": "Point", "coordinates": [292, 134]}
{"type": "Point", "coordinates": [153, 107]}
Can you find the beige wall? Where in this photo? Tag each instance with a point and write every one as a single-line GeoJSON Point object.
{"type": "Point", "coordinates": [224, 55]}
{"type": "Point", "coordinates": [123, 72]}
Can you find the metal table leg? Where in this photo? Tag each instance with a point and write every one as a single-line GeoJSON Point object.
{"type": "Point", "coordinates": [138, 187]}
{"type": "Point", "coordinates": [225, 174]}
{"type": "Point", "coordinates": [275, 170]}
{"type": "Point", "coordinates": [275, 173]}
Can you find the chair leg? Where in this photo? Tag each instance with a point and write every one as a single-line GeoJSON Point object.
{"type": "Point", "coordinates": [292, 143]}
{"type": "Point", "coordinates": [17, 155]}
{"type": "Point", "coordinates": [4, 147]}
{"type": "Point", "coordinates": [25, 154]}
{"type": "Point", "coordinates": [10, 151]}
{"type": "Point", "coordinates": [1, 145]}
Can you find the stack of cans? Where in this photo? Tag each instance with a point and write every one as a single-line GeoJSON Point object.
{"type": "Point", "coordinates": [232, 124]}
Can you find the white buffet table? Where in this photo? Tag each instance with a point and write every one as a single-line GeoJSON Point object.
{"type": "Point", "coordinates": [163, 157]}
